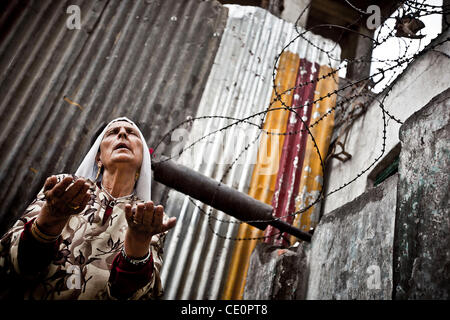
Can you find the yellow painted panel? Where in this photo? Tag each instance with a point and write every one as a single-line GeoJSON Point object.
{"type": "Point", "coordinates": [262, 185]}
{"type": "Point", "coordinates": [312, 175]}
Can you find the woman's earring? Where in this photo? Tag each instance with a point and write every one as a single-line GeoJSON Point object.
{"type": "Point", "coordinates": [98, 171]}
{"type": "Point", "coordinates": [136, 177]}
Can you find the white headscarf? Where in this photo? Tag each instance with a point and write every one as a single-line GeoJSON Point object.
{"type": "Point", "coordinates": [88, 167]}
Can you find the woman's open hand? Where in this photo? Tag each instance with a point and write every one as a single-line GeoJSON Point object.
{"type": "Point", "coordinates": [144, 222]}
{"type": "Point", "coordinates": [62, 201]}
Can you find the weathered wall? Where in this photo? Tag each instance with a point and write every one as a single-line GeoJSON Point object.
{"type": "Point", "coordinates": [277, 273]}
{"type": "Point", "coordinates": [422, 244]}
{"type": "Point", "coordinates": [351, 250]}
{"type": "Point", "coordinates": [350, 255]}
{"type": "Point", "coordinates": [393, 241]}
{"type": "Point", "coordinates": [423, 79]}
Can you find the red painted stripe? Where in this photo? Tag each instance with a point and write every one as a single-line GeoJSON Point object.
{"type": "Point", "coordinates": [289, 174]}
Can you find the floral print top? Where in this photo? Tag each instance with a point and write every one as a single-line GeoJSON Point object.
{"type": "Point", "coordinates": [85, 262]}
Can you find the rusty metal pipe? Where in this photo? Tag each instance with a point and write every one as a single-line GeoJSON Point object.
{"type": "Point", "coordinates": [220, 196]}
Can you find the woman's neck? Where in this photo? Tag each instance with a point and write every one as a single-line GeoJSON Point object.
{"type": "Point", "coordinates": [118, 183]}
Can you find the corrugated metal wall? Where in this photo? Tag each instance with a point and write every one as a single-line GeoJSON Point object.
{"type": "Point", "coordinates": [293, 152]}
{"type": "Point", "coordinates": [198, 263]}
{"type": "Point", "coordinates": [311, 173]}
{"type": "Point", "coordinates": [196, 260]}
{"type": "Point", "coordinates": [268, 188]}
{"type": "Point", "coordinates": [147, 60]}
{"type": "Point", "coordinates": [264, 175]}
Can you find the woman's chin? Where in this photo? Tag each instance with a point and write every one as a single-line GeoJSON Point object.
{"type": "Point", "coordinates": [123, 158]}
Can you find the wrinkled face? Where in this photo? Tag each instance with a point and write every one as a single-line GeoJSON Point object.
{"type": "Point", "coordinates": [121, 147]}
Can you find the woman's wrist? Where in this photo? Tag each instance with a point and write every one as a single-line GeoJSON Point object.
{"type": "Point", "coordinates": [136, 247]}
{"type": "Point", "coordinates": [41, 236]}
{"type": "Point", "coordinates": [53, 226]}
{"type": "Point", "coordinates": [139, 261]}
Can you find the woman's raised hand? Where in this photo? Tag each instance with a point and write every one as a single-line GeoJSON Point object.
{"type": "Point", "coordinates": [62, 201]}
{"type": "Point", "coordinates": [144, 222]}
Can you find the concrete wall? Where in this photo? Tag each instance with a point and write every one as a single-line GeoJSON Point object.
{"type": "Point", "coordinates": [351, 250]}
{"type": "Point", "coordinates": [349, 257]}
{"type": "Point", "coordinates": [384, 242]}
{"type": "Point", "coordinates": [422, 245]}
{"type": "Point", "coordinates": [423, 79]}
{"type": "Point", "coordinates": [277, 273]}
{"type": "Point", "coordinates": [393, 241]}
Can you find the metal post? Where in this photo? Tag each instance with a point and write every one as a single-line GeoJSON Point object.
{"type": "Point", "coordinates": [220, 196]}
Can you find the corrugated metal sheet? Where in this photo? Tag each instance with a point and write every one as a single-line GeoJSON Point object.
{"type": "Point", "coordinates": [293, 152]}
{"type": "Point", "coordinates": [198, 263]}
{"type": "Point", "coordinates": [241, 255]}
{"type": "Point", "coordinates": [147, 60]}
{"type": "Point", "coordinates": [312, 175]}
{"type": "Point", "coordinates": [263, 182]}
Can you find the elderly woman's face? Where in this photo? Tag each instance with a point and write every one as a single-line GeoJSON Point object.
{"type": "Point", "coordinates": [121, 144]}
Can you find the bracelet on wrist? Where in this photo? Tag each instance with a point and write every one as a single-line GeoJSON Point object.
{"type": "Point", "coordinates": [40, 235]}
{"type": "Point", "coordinates": [136, 262]}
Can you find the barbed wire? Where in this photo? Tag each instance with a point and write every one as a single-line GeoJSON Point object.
{"type": "Point", "coordinates": [394, 66]}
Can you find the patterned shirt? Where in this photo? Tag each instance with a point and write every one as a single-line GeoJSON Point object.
{"type": "Point", "coordinates": [85, 262]}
